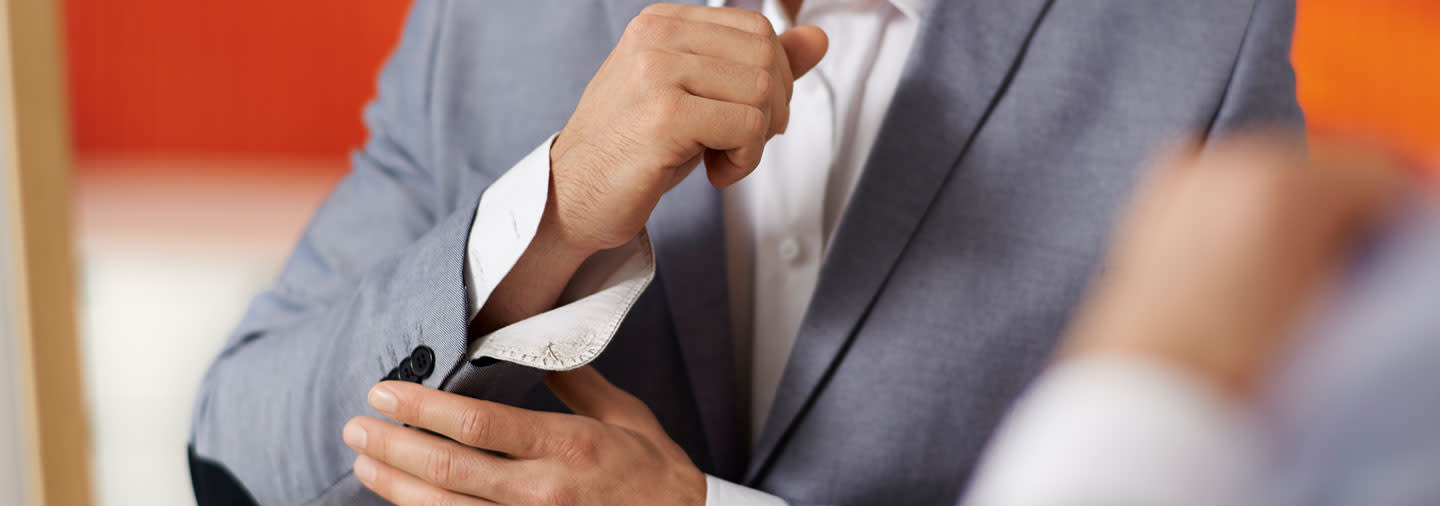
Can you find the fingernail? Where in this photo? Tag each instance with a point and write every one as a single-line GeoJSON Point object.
{"type": "Point", "coordinates": [355, 435]}
{"type": "Point", "coordinates": [365, 469]}
{"type": "Point", "coordinates": [383, 400]}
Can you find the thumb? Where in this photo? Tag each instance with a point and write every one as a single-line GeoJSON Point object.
{"type": "Point", "coordinates": [587, 393]}
{"type": "Point", "coordinates": [804, 47]}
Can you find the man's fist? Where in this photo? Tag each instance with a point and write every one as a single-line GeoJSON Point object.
{"type": "Point", "coordinates": [684, 84]}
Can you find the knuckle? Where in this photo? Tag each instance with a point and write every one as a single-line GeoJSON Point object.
{"type": "Point", "coordinates": [582, 449]}
{"type": "Point", "coordinates": [753, 124]}
{"type": "Point", "coordinates": [756, 22]}
{"type": "Point", "coordinates": [764, 85]}
{"type": "Point", "coordinates": [657, 9]}
{"type": "Point", "coordinates": [475, 427]}
{"type": "Point", "coordinates": [763, 50]}
{"type": "Point", "coordinates": [439, 467]}
{"type": "Point", "coordinates": [648, 26]}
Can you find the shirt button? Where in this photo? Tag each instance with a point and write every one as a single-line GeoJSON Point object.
{"type": "Point", "coordinates": [789, 249]}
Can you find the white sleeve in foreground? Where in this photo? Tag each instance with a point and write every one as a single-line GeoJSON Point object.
{"type": "Point", "coordinates": [1117, 431]}
{"type": "Point", "coordinates": [594, 302]}
{"type": "Point", "coordinates": [719, 492]}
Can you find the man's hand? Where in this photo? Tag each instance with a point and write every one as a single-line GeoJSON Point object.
{"type": "Point", "coordinates": [616, 453]}
{"type": "Point", "coordinates": [684, 83]}
{"type": "Point", "coordinates": [1222, 250]}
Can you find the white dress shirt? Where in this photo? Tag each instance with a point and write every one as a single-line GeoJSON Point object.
{"type": "Point", "coordinates": [779, 220]}
{"type": "Point", "coordinates": [778, 224]}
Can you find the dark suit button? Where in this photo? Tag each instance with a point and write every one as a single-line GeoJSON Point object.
{"type": "Point", "coordinates": [404, 372]}
{"type": "Point", "coordinates": [393, 375]}
{"type": "Point", "coordinates": [422, 362]}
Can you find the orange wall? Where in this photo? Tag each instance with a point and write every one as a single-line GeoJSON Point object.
{"type": "Point", "coordinates": [287, 77]}
{"type": "Point", "coordinates": [275, 77]}
{"type": "Point", "coordinates": [1372, 66]}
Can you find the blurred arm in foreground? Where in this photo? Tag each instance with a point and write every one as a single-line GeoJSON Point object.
{"type": "Point", "coordinates": [1166, 390]}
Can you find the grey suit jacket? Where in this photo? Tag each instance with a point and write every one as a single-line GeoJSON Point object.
{"type": "Point", "coordinates": [1017, 129]}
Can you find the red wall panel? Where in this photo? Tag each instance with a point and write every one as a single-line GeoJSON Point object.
{"type": "Point", "coordinates": [279, 77]}
{"type": "Point", "coordinates": [1372, 66]}
{"type": "Point", "coordinates": [288, 78]}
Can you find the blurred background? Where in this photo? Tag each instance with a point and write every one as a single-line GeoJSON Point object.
{"type": "Point", "coordinates": [204, 134]}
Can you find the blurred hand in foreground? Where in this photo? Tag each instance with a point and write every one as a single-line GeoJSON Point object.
{"type": "Point", "coordinates": [1223, 250]}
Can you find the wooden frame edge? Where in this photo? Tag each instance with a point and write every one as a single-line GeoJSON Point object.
{"type": "Point", "coordinates": [38, 148]}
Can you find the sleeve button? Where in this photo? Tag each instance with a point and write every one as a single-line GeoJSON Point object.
{"type": "Point", "coordinates": [422, 362]}
{"type": "Point", "coordinates": [406, 373]}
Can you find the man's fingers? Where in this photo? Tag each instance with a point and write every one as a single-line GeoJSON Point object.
{"type": "Point", "coordinates": [480, 424]}
{"type": "Point", "coordinates": [405, 490]}
{"type": "Point", "coordinates": [435, 460]}
{"type": "Point", "coordinates": [587, 393]}
{"type": "Point", "coordinates": [725, 168]}
{"type": "Point", "coordinates": [720, 79]}
{"type": "Point", "coordinates": [740, 19]}
{"type": "Point", "coordinates": [797, 52]}
{"type": "Point", "coordinates": [703, 38]}
{"type": "Point", "coordinates": [804, 47]}
{"type": "Point", "coordinates": [738, 130]}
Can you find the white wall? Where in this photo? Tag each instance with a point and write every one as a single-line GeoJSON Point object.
{"type": "Point", "coordinates": [171, 253]}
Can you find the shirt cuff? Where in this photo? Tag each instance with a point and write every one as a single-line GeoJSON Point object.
{"type": "Point", "coordinates": [594, 302]}
{"type": "Point", "coordinates": [592, 306]}
{"type": "Point", "coordinates": [719, 492]}
{"type": "Point", "coordinates": [505, 223]}
{"type": "Point", "coordinates": [1118, 431]}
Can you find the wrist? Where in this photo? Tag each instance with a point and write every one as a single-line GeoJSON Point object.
{"type": "Point", "coordinates": [559, 248]}
{"type": "Point", "coordinates": [1211, 349]}
{"type": "Point", "coordinates": [1229, 369]}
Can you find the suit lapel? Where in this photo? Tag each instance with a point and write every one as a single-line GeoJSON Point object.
{"type": "Point", "coordinates": [962, 62]}
{"type": "Point", "coordinates": [688, 233]}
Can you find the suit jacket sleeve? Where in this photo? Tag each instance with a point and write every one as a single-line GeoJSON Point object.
{"type": "Point", "coordinates": [376, 279]}
{"type": "Point", "coordinates": [1261, 91]}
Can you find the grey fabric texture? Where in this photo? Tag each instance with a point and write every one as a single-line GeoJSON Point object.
{"type": "Point", "coordinates": [1017, 131]}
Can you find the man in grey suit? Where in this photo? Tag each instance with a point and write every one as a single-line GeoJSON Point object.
{"type": "Point", "coordinates": [983, 183]}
